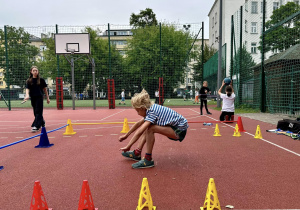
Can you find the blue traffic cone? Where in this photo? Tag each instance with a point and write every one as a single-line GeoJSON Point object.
{"type": "Point", "coordinates": [1, 167]}
{"type": "Point", "coordinates": [44, 141]}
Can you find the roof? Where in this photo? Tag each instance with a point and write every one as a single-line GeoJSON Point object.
{"type": "Point", "coordinates": [291, 53]}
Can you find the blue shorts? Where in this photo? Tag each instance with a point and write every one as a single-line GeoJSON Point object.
{"type": "Point", "coordinates": [123, 99]}
{"type": "Point", "coordinates": [179, 133]}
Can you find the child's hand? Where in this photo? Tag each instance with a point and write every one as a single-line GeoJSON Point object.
{"type": "Point", "coordinates": [122, 138]}
{"type": "Point", "coordinates": [125, 149]}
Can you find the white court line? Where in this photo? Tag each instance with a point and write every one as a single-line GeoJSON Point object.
{"type": "Point", "coordinates": [276, 145]}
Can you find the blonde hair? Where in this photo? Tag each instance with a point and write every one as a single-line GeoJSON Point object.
{"type": "Point", "coordinates": [141, 100]}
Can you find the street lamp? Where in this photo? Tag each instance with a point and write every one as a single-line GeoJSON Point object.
{"type": "Point", "coordinates": [187, 27]}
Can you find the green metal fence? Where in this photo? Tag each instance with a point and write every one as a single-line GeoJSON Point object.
{"type": "Point", "coordinates": [135, 58]}
{"type": "Point", "coordinates": [265, 56]}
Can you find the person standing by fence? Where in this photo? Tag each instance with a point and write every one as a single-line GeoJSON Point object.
{"type": "Point", "coordinates": [35, 86]}
{"type": "Point", "coordinates": [203, 97]}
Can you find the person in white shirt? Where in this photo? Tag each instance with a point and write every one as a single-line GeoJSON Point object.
{"type": "Point", "coordinates": [122, 97]}
{"type": "Point", "coordinates": [228, 102]}
{"type": "Point", "coordinates": [191, 94]}
{"type": "Point", "coordinates": [157, 97]}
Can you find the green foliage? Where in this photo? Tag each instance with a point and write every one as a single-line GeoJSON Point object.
{"type": "Point", "coordinates": [82, 66]}
{"type": "Point", "coordinates": [208, 52]}
{"type": "Point", "coordinates": [244, 70]}
{"type": "Point", "coordinates": [286, 35]}
{"type": "Point", "coordinates": [143, 58]}
{"type": "Point", "coordinates": [21, 55]}
{"type": "Point", "coordinates": [145, 18]}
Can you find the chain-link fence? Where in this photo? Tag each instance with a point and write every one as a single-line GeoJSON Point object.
{"type": "Point", "coordinates": [135, 58]}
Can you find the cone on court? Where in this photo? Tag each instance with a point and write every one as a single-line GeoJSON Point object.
{"type": "Point", "coordinates": [236, 131]}
{"type": "Point", "coordinates": [211, 198]}
{"type": "Point", "coordinates": [258, 133]}
{"type": "Point", "coordinates": [86, 200]}
{"type": "Point", "coordinates": [145, 196]}
{"type": "Point", "coordinates": [44, 141]}
{"type": "Point", "coordinates": [217, 131]}
{"type": "Point", "coordinates": [240, 124]}
{"type": "Point", "coordinates": [69, 129]}
{"type": "Point", "coordinates": [1, 167]}
{"type": "Point", "coordinates": [38, 200]}
{"type": "Point", "coordinates": [125, 126]}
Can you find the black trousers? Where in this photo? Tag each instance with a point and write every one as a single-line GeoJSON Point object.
{"type": "Point", "coordinates": [38, 106]}
{"type": "Point", "coordinates": [229, 114]}
{"type": "Point", "coordinates": [203, 101]}
{"type": "Point", "coordinates": [157, 100]}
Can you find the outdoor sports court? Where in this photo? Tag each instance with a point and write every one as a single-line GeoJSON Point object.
{"type": "Point", "coordinates": [249, 173]}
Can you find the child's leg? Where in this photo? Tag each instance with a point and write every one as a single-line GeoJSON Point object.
{"type": "Point", "coordinates": [222, 116]}
{"type": "Point", "coordinates": [164, 130]}
{"type": "Point", "coordinates": [201, 106]}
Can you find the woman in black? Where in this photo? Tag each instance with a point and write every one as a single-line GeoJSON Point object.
{"type": "Point", "coordinates": [35, 86]}
{"type": "Point", "coordinates": [203, 97]}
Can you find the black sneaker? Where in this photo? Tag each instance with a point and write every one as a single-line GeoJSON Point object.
{"type": "Point", "coordinates": [209, 113]}
{"type": "Point", "coordinates": [143, 164]}
{"type": "Point", "coordinates": [131, 155]}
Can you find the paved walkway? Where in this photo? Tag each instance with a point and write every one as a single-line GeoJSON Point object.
{"type": "Point", "coordinates": [267, 117]}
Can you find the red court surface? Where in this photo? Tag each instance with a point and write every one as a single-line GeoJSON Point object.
{"type": "Point", "coordinates": [249, 173]}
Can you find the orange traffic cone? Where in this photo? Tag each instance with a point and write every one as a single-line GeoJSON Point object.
{"type": "Point", "coordinates": [38, 201]}
{"type": "Point", "coordinates": [240, 124]}
{"type": "Point", "coordinates": [86, 200]}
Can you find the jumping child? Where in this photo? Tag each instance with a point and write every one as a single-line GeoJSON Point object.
{"type": "Point", "coordinates": [35, 86]}
{"type": "Point", "coordinates": [156, 119]}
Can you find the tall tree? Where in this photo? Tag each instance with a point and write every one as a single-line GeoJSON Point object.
{"type": "Point", "coordinates": [21, 55]}
{"type": "Point", "coordinates": [284, 35]}
{"type": "Point", "coordinates": [245, 71]}
{"type": "Point", "coordinates": [146, 60]}
{"type": "Point", "coordinates": [145, 18]}
{"type": "Point", "coordinates": [208, 52]}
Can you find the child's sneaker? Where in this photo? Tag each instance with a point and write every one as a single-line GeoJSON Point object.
{"type": "Point", "coordinates": [131, 155]}
{"type": "Point", "coordinates": [143, 164]}
{"type": "Point", "coordinates": [34, 129]}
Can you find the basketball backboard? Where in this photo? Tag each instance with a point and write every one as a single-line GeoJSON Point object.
{"type": "Point", "coordinates": [74, 43]}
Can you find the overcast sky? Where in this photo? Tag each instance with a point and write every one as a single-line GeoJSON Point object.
{"type": "Point", "coordinates": [96, 12]}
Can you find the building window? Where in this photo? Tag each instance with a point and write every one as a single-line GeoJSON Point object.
{"type": "Point", "coordinates": [275, 5]}
{"type": "Point", "coordinates": [254, 5]}
{"type": "Point", "coordinates": [253, 47]}
{"type": "Point", "coordinates": [216, 18]}
{"type": "Point", "coordinates": [43, 48]}
{"type": "Point", "coordinates": [213, 38]}
{"type": "Point", "coordinates": [1, 83]}
{"type": "Point", "coordinates": [246, 26]}
{"type": "Point", "coordinates": [1, 74]}
{"type": "Point", "coordinates": [216, 36]}
{"type": "Point", "coordinates": [246, 5]}
{"type": "Point", "coordinates": [246, 43]}
{"type": "Point", "coordinates": [213, 20]}
{"type": "Point", "coordinates": [296, 2]}
{"type": "Point", "coordinates": [254, 27]}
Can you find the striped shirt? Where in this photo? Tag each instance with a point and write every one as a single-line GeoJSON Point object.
{"type": "Point", "coordinates": [163, 116]}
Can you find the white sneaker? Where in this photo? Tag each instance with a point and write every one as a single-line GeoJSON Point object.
{"type": "Point", "coordinates": [34, 129]}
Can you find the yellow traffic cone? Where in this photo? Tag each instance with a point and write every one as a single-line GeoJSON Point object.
{"type": "Point", "coordinates": [211, 199]}
{"type": "Point", "coordinates": [69, 129]}
{"type": "Point", "coordinates": [258, 133]}
{"type": "Point", "coordinates": [217, 131]}
{"type": "Point", "coordinates": [145, 195]}
{"type": "Point", "coordinates": [236, 131]}
{"type": "Point", "coordinates": [125, 126]}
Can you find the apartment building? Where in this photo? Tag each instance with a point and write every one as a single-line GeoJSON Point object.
{"type": "Point", "coordinates": [252, 17]}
